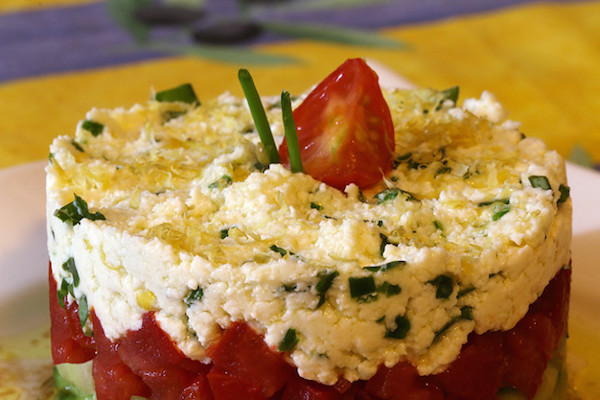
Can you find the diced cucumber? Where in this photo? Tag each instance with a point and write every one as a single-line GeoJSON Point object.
{"type": "Point", "coordinates": [67, 390]}
{"type": "Point", "coordinates": [75, 382]}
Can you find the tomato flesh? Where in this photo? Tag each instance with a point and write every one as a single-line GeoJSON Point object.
{"type": "Point", "coordinates": [68, 345]}
{"type": "Point", "coordinates": [345, 129]}
{"type": "Point", "coordinates": [147, 363]}
{"type": "Point", "coordinates": [243, 354]}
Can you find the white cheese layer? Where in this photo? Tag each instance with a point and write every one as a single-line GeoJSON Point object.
{"type": "Point", "coordinates": [465, 241]}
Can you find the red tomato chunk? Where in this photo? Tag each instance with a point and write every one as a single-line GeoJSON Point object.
{"type": "Point", "coordinates": [147, 363]}
{"type": "Point", "coordinates": [345, 129]}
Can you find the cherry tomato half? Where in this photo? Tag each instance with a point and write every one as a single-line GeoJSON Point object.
{"type": "Point", "coordinates": [345, 128]}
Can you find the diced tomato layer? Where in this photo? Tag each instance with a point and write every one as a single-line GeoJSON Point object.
{"type": "Point", "coordinates": [64, 335]}
{"type": "Point", "coordinates": [147, 363]}
{"type": "Point", "coordinates": [114, 380]}
{"type": "Point", "coordinates": [243, 354]}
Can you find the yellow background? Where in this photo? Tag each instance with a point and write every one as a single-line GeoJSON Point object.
{"type": "Point", "coordinates": [542, 62]}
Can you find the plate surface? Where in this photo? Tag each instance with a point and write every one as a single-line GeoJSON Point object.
{"type": "Point", "coordinates": [24, 260]}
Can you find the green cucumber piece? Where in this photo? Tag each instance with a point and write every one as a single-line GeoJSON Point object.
{"type": "Point", "coordinates": [76, 378]}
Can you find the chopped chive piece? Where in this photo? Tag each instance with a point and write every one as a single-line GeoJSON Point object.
{"type": "Point", "coordinates": [438, 225]}
{"type": "Point", "coordinates": [565, 191]}
{"type": "Point", "coordinates": [361, 286]}
{"type": "Point", "coordinates": [444, 286]}
{"type": "Point", "coordinates": [84, 312]}
{"type": "Point", "coordinates": [194, 296]}
{"type": "Point", "coordinates": [385, 267]}
{"type": "Point", "coordinates": [258, 115]}
{"type": "Point", "coordinates": [69, 266]}
{"type": "Point", "coordinates": [403, 157]}
{"type": "Point", "coordinates": [75, 211]}
{"type": "Point", "coordinates": [442, 170]}
{"type": "Point", "coordinates": [538, 181]}
{"type": "Point", "coordinates": [291, 136]}
{"type": "Point", "coordinates": [500, 210]}
{"type": "Point", "coordinates": [390, 194]}
{"type": "Point", "coordinates": [221, 183]}
{"type": "Point", "coordinates": [401, 330]}
{"type": "Point", "coordinates": [65, 288]}
{"type": "Point", "coordinates": [466, 314]}
{"type": "Point", "coordinates": [384, 242]}
{"type": "Point", "coordinates": [182, 93]}
{"type": "Point", "coordinates": [387, 195]}
{"type": "Point", "coordinates": [77, 146]}
{"type": "Point", "coordinates": [93, 127]}
{"type": "Point", "coordinates": [289, 287]}
{"type": "Point", "coordinates": [490, 202]}
{"type": "Point", "coordinates": [449, 94]}
{"type": "Point", "coordinates": [316, 206]}
{"type": "Point", "coordinates": [325, 281]}
{"type": "Point", "coordinates": [464, 292]}
{"type": "Point", "coordinates": [290, 340]}
{"type": "Point", "coordinates": [279, 250]}
{"type": "Point", "coordinates": [224, 233]}
{"type": "Point", "coordinates": [389, 289]}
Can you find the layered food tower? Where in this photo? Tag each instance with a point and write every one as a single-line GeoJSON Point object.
{"type": "Point", "coordinates": [396, 245]}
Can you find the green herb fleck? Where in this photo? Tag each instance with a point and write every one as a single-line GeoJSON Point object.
{"type": "Point", "coordinates": [385, 267]}
{"type": "Point", "coordinates": [438, 225]}
{"type": "Point", "coordinates": [538, 181]}
{"type": "Point", "coordinates": [69, 266]}
{"type": "Point", "coordinates": [221, 183]}
{"type": "Point", "coordinates": [449, 94]}
{"type": "Point", "coordinates": [65, 288]}
{"type": "Point", "coordinates": [398, 160]}
{"type": "Point", "coordinates": [442, 170]}
{"type": "Point", "coordinates": [464, 292]}
{"type": "Point", "coordinates": [224, 233]}
{"type": "Point", "coordinates": [93, 127]}
{"type": "Point", "coordinates": [384, 242]}
{"type": "Point", "coordinates": [325, 281]}
{"type": "Point", "coordinates": [77, 210]}
{"type": "Point", "coordinates": [444, 286]}
{"type": "Point", "coordinates": [401, 330]}
{"type": "Point", "coordinates": [390, 194]}
{"type": "Point", "coordinates": [77, 146]}
{"type": "Point", "coordinates": [279, 250]}
{"type": "Point", "coordinates": [182, 93]}
{"type": "Point", "coordinates": [194, 296]}
{"type": "Point", "coordinates": [83, 311]}
{"type": "Point", "coordinates": [389, 289]}
{"type": "Point", "coordinates": [316, 206]}
{"type": "Point", "coordinates": [290, 340]}
{"type": "Point", "coordinates": [289, 287]}
{"type": "Point", "coordinates": [565, 192]}
{"type": "Point", "coordinates": [361, 286]}
{"type": "Point", "coordinates": [499, 211]}
{"type": "Point", "coordinates": [490, 202]}
{"type": "Point", "coordinates": [466, 314]}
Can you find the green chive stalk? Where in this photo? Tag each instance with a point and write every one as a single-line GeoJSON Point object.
{"type": "Point", "coordinates": [291, 135]}
{"type": "Point", "coordinates": [258, 115]}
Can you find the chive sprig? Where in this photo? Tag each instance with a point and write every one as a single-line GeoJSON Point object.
{"type": "Point", "coordinates": [291, 135]}
{"type": "Point", "coordinates": [258, 115]}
